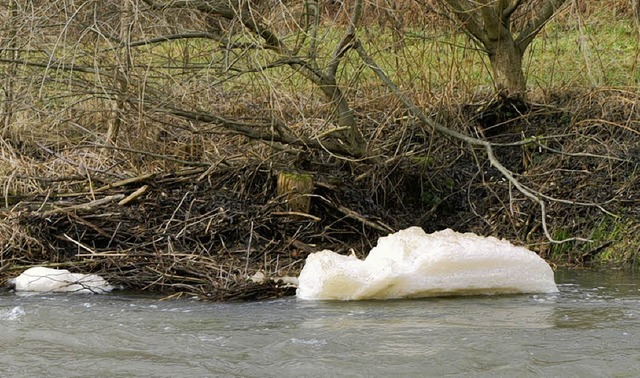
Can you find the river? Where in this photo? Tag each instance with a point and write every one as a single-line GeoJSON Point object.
{"type": "Point", "coordinates": [590, 329]}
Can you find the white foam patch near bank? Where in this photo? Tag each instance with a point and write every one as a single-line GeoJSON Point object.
{"type": "Point", "coordinates": [413, 264]}
{"type": "Point", "coordinates": [41, 279]}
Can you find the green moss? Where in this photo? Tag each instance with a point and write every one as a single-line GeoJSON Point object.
{"type": "Point", "coordinates": [298, 177]}
{"type": "Point", "coordinates": [422, 162]}
{"type": "Point", "coordinates": [430, 199]}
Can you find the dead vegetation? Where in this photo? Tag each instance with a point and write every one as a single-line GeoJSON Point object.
{"type": "Point", "coordinates": [201, 231]}
{"type": "Point", "coordinates": [204, 230]}
{"type": "Point", "coordinates": [154, 161]}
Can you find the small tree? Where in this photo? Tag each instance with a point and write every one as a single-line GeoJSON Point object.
{"type": "Point", "coordinates": [346, 138]}
{"type": "Point", "coordinates": [491, 25]}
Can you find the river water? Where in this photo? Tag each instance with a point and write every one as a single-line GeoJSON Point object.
{"type": "Point", "coordinates": [590, 329]}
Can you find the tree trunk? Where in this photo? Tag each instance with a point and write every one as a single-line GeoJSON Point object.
{"type": "Point", "coordinates": [489, 23]}
{"type": "Point", "coordinates": [506, 62]}
{"type": "Point", "coordinates": [345, 118]}
{"type": "Point", "coordinates": [125, 64]}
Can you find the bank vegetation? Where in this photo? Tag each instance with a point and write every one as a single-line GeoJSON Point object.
{"type": "Point", "coordinates": [184, 146]}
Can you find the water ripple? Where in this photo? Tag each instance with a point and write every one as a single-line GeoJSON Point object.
{"type": "Point", "coordinates": [12, 315]}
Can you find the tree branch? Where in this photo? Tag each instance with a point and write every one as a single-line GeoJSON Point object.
{"type": "Point", "coordinates": [529, 32]}
{"type": "Point", "coordinates": [492, 18]}
{"type": "Point", "coordinates": [466, 17]}
{"type": "Point", "coordinates": [226, 9]}
{"type": "Point", "coordinates": [313, 12]}
{"type": "Point", "coordinates": [303, 31]}
{"type": "Point", "coordinates": [52, 63]}
{"type": "Point", "coordinates": [230, 9]}
{"type": "Point", "coordinates": [213, 7]}
{"type": "Point", "coordinates": [508, 10]}
{"type": "Point", "coordinates": [346, 41]}
{"type": "Point", "coordinates": [270, 131]}
{"type": "Point", "coordinates": [173, 37]}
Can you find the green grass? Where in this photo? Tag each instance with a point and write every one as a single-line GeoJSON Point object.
{"type": "Point", "coordinates": [601, 54]}
{"type": "Point", "coordinates": [425, 61]}
{"type": "Point", "coordinates": [593, 52]}
{"type": "Point", "coordinates": [568, 53]}
{"type": "Point", "coordinates": [563, 56]}
{"type": "Point", "coordinates": [615, 231]}
{"type": "Point", "coordinates": [610, 242]}
{"type": "Point", "coordinates": [562, 251]}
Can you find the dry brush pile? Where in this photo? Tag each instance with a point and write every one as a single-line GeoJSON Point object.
{"type": "Point", "coordinates": [206, 230]}
{"type": "Point", "coordinates": [578, 152]}
{"type": "Point", "coordinates": [199, 231]}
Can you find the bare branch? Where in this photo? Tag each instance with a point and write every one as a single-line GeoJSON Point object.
{"type": "Point", "coordinates": [313, 12]}
{"type": "Point", "coordinates": [509, 9]}
{"type": "Point", "coordinates": [544, 14]}
{"type": "Point", "coordinates": [326, 82]}
{"type": "Point", "coordinates": [303, 31]}
{"type": "Point", "coordinates": [466, 17]}
{"type": "Point", "coordinates": [492, 17]}
{"type": "Point", "coordinates": [266, 130]}
{"type": "Point", "coordinates": [228, 10]}
{"type": "Point", "coordinates": [346, 41]}
{"type": "Point", "coordinates": [172, 37]}
{"type": "Point", "coordinates": [62, 66]}
{"type": "Point", "coordinates": [213, 7]}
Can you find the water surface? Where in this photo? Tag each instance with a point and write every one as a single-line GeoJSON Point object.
{"type": "Point", "coordinates": [590, 329]}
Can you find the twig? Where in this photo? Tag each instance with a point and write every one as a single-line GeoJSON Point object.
{"type": "Point", "coordinates": [91, 251]}
{"type": "Point", "coordinates": [127, 181]}
{"type": "Point", "coordinates": [158, 156]}
{"type": "Point", "coordinates": [211, 169]}
{"type": "Point", "coordinates": [297, 213]}
{"type": "Point", "coordinates": [175, 211]}
{"type": "Point", "coordinates": [87, 206]}
{"type": "Point", "coordinates": [134, 195]}
{"type": "Point", "coordinates": [355, 215]}
{"type": "Point", "coordinates": [246, 264]}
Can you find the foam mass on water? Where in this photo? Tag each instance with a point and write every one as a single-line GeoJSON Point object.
{"type": "Point", "coordinates": [42, 279]}
{"type": "Point", "coordinates": [413, 264]}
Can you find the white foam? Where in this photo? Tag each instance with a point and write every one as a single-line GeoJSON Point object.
{"type": "Point", "coordinates": [412, 264]}
{"type": "Point", "coordinates": [41, 279]}
{"type": "Point", "coordinates": [14, 314]}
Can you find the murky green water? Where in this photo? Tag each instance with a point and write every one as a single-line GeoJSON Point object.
{"type": "Point", "coordinates": [591, 328]}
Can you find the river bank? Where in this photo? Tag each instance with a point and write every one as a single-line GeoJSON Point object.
{"type": "Point", "coordinates": [204, 227]}
{"type": "Point", "coordinates": [182, 148]}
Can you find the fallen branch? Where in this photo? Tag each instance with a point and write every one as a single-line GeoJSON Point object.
{"type": "Point", "coordinates": [131, 197]}
{"type": "Point", "coordinates": [91, 251]}
{"type": "Point", "coordinates": [298, 214]}
{"type": "Point", "coordinates": [87, 206]}
{"type": "Point", "coordinates": [355, 215]}
{"type": "Point", "coordinates": [131, 180]}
